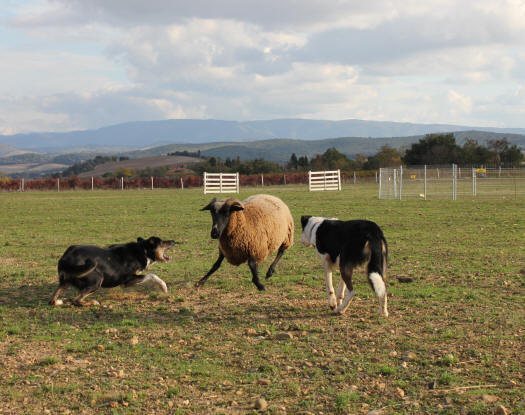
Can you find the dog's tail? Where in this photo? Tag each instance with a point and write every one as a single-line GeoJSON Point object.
{"type": "Point", "coordinates": [377, 270]}
{"type": "Point", "coordinates": [76, 271]}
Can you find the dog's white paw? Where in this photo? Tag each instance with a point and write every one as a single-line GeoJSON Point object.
{"type": "Point", "coordinates": [382, 312]}
{"type": "Point", "coordinates": [157, 282]}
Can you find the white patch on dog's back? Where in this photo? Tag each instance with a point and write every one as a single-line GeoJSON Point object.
{"type": "Point", "coordinates": [378, 284]}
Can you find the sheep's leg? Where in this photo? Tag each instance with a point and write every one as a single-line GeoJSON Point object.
{"type": "Point", "coordinates": [255, 275]}
{"type": "Point", "coordinates": [214, 268]}
{"type": "Point", "coordinates": [280, 253]}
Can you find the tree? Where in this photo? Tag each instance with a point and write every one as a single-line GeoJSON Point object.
{"type": "Point", "coordinates": [292, 163]}
{"type": "Point", "coordinates": [473, 154]}
{"type": "Point", "coordinates": [303, 162]}
{"type": "Point", "coordinates": [504, 153]}
{"type": "Point", "coordinates": [386, 157]}
{"type": "Point", "coordinates": [434, 149]}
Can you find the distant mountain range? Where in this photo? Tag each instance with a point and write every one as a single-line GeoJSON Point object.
{"type": "Point", "coordinates": [141, 134]}
{"type": "Point", "coordinates": [40, 154]}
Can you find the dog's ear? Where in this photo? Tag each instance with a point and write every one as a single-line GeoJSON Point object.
{"type": "Point", "coordinates": [304, 220]}
{"type": "Point", "coordinates": [209, 205]}
{"type": "Point", "coordinates": [236, 206]}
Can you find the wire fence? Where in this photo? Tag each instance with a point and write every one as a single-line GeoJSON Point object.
{"type": "Point", "coordinates": [124, 183]}
{"type": "Point", "coordinates": [452, 182]}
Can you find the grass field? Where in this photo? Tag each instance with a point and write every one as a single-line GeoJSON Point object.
{"type": "Point", "coordinates": [458, 328]}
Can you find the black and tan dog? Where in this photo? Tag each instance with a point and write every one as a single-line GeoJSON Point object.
{"type": "Point", "coordinates": [88, 267]}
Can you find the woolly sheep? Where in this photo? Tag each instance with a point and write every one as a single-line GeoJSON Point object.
{"type": "Point", "coordinates": [249, 231]}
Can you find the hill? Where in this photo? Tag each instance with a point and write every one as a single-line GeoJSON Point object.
{"type": "Point", "coordinates": [7, 151]}
{"type": "Point", "coordinates": [280, 149]}
{"type": "Point", "coordinates": [140, 164]}
{"type": "Point", "coordinates": [192, 131]}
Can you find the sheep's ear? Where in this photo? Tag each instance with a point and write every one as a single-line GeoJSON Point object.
{"type": "Point", "coordinates": [209, 205]}
{"type": "Point", "coordinates": [304, 220]}
{"type": "Point", "coordinates": [139, 239]}
{"type": "Point", "coordinates": [236, 205]}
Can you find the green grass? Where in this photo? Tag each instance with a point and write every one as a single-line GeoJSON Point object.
{"type": "Point", "coordinates": [212, 350]}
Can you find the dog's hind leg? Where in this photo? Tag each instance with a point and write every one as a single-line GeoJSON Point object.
{"type": "Point", "coordinates": [346, 275]}
{"type": "Point", "coordinates": [145, 279]}
{"type": "Point", "coordinates": [340, 292]}
{"type": "Point", "coordinates": [378, 284]}
{"type": "Point", "coordinates": [79, 300]}
{"type": "Point", "coordinates": [54, 298]}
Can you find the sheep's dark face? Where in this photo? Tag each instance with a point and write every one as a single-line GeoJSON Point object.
{"type": "Point", "coordinates": [221, 211]}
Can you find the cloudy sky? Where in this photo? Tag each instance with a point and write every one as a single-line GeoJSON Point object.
{"type": "Point", "coordinates": [79, 64]}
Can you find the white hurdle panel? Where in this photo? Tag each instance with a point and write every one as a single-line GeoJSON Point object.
{"type": "Point", "coordinates": [324, 180]}
{"type": "Point", "coordinates": [221, 182]}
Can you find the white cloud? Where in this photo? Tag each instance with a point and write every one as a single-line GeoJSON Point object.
{"type": "Point", "coordinates": [459, 102]}
{"type": "Point", "coordinates": [84, 64]}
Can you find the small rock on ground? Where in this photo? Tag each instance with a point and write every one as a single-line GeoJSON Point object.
{"type": "Point", "coordinates": [261, 404]}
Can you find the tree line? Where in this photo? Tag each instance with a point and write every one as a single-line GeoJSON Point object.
{"type": "Point", "coordinates": [433, 149]}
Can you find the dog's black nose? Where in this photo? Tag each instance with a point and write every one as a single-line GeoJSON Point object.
{"type": "Point", "coordinates": [214, 233]}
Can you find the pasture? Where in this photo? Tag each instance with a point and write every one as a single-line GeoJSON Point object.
{"type": "Point", "coordinates": [454, 341]}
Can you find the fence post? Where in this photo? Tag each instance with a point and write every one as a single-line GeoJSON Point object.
{"type": "Point", "coordinates": [284, 179]}
{"type": "Point", "coordinates": [380, 170]}
{"type": "Point", "coordinates": [339, 179]}
{"type": "Point", "coordinates": [22, 183]}
{"type": "Point", "coordinates": [122, 183]}
{"type": "Point", "coordinates": [473, 182]}
{"type": "Point", "coordinates": [425, 184]}
{"type": "Point", "coordinates": [454, 178]}
{"type": "Point", "coordinates": [262, 179]}
{"type": "Point", "coordinates": [181, 183]}
{"type": "Point", "coordinates": [58, 185]}
{"type": "Point", "coordinates": [220, 182]}
{"type": "Point", "coordinates": [400, 182]}
{"type": "Point", "coordinates": [237, 182]}
{"type": "Point", "coordinates": [395, 183]}
{"type": "Point", "coordinates": [92, 183]}
{"type": "Point", "coordinates": [309, 180]}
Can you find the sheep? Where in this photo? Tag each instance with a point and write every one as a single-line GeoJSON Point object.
{"type": "Point", "coordinates": [249, 231]}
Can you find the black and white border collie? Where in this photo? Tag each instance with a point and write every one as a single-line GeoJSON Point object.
{"type": "Point", "coordinates": [348, 245]}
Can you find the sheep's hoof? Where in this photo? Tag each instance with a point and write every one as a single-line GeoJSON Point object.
{"type": "Point", "coordinates": [269, 273]}
{"type": "Point", "coordinates": [261, 287]}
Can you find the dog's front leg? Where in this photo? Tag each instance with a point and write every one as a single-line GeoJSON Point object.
{"type": "Point", "coordinates": [327, 264]}
{"type": "Point", "coordinates": [146, 279]}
